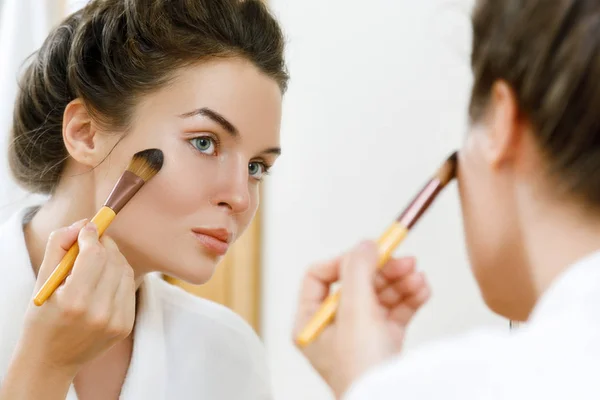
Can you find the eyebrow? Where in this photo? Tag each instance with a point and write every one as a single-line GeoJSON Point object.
{"type": "Point", "coordinates": [273, 150]}
{"type": "Point", "coordinates": [216, 117]}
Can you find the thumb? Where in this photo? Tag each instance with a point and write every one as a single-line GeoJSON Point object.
{"type": "Point", "coordinates": [59, 242]}
{"type": "Point", "coordinates": [357, 287]}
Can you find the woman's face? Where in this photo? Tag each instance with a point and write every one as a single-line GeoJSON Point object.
{"type": "Point", "coordinates": [218, 124]}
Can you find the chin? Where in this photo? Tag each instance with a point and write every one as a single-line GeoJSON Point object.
{"type": "Point", "coordinates": [509, 308]}
{"type": "Point", "coordinates": [497, 304]}
{"type": "Point", "coordinates": [504, 296]}
{"type": "Point", "coordinates": [197, 272]}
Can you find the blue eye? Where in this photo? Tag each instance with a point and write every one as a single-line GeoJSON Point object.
{"type": "Point", "coordinates": [205, 144]}
{"type": "Point", "coordinates": [257, 170]}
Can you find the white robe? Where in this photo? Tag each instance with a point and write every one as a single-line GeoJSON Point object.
{"type": "Point", "coordinates": [556, 355]}
{"type": "Point", "coordinates": [184, 347]}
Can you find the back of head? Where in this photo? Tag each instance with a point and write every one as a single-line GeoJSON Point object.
{"type": "Point", "coordinates": [549, 53]}
{"type": "Point", "coordinates": [114, 51]}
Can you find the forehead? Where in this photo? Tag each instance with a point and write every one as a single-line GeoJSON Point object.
{"type": "Point", "coordinates": [233, 87]}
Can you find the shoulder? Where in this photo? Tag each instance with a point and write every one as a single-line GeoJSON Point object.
{"type": "Point", "coordinates": [202, 310]}
{"type": "Point", "coordinates": [463, 367]}
{"type": "Point", "coordinates": [207, 325]}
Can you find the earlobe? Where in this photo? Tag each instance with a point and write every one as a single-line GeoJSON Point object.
{"type": "Point", "coordinates": [78, 132]}
{"type": "Point", "coordinates": [504, 122]}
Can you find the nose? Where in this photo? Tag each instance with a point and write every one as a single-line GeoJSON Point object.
{"type": "Point", "coordinates": [232, 190]}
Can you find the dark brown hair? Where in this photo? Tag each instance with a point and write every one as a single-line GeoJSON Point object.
{"type": "Point", "coordinates": [549, 53]}
{"type": "Point", "coordinates": [112, 52]}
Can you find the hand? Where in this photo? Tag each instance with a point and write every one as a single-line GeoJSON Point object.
{"type": "Point", "coordinates": [374, 311]}
{"type": "Point", "coordinates": [92, 310]}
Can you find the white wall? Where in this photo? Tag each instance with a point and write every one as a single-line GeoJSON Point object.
{"type": "Point", "coordinates": [377, 99]}
{"type": "Point", "coordinates": [24, 24]}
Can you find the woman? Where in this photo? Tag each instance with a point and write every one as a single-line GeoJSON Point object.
{"type": "Point", "coordinates": [203, 81]}
{"type": "Point", "coordinates": [530, 193]}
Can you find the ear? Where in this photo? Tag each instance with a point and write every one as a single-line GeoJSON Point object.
{"type": "Point", "coordinates": [505, 126]}
{"type": "Point", "coordinates": [81, 136]}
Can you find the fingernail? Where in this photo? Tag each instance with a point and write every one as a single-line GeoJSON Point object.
{"type": "Point", "coordinates": [364, 245]}
{"type": "Point", "coordinates": [78, 223]}
{"type": "Point", "coordinates": [91, 227]}
{"type": "Point", "coordinates": [408, 261]}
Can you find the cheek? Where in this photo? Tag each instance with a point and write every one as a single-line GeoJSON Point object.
{"type": "Point", "coordinates": [107, 174]}
{"type": "Point", "coordinates": [184, 185]}
{"type": "Point", "coordinates": [162, 207]}
{"type": "Point", "coordinates": [122, 148]}
{"type": "Point", "coordinates": [491, 229]}
{"type": "Point", "coordinates": [247, 217]}
{"type": "Point", "coordinates": [486, 209]}
{"type": "Point", "coordinates": [477, 205]}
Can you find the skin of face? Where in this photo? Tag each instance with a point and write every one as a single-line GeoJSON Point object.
{"type": "Point", "coordinates": [218, 125]}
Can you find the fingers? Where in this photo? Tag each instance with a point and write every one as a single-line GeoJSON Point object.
{"type": "Point", "coordinates": [88, 267]}
{"type": "Point", "coordinates": [315, 288]}
{"type": "Point", "coordinates": [318, 279]}
{"type": "Point", "coordinates": [358, 267]}
{"type": "Point", "coordinates": [123, 309]}
{"type": "Point", "coordinates": [101, 285]}
{"type": "Point", "coordinates": [419, 298]}
{"type": "Point", "coordinates": [401, 289]}
{"type": "Point", "coordinates": [111, 299]}
{"type": "Point", "coordinates": [393, 270]}
{"type": "Point", "coordinates": [358, 291]}
{"type": "Point", "coordinates": [404, 297]}
{"type": "Point", "coordinates": [59, 242]}
{"type": "Point", "coordinates": [108, 282]}
{"type": "Point", "coordinates": [405, 310]}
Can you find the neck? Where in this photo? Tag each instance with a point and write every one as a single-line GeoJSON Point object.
{"type": "Point", "coordinates": [67, 206]}
{"type": "Point", "coordinates": [57, 212]}
{"type": "Point", "coordinates": [556, 237]}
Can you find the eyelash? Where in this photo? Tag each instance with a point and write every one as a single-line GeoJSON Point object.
{"type": "Point", "coordinates": [215, 141]}
{"type": "Point", "coordinates": [266, 169]}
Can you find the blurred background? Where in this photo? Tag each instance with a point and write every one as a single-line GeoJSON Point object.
{"type": "Point", "coordinates": [377, 100]}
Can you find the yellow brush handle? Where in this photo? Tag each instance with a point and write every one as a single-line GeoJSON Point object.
{"type": "Point", "coordinates": [102, 219]}
{"type": "Point", "coordinates": [390, 239]}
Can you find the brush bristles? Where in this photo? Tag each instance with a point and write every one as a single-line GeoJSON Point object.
{"type": "Point", "coordinates": [146, 163]}
{"type": "Point", "coordinates": [447, 172]}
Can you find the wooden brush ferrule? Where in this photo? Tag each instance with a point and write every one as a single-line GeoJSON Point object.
{"type": "Point", "coordinates": [125, 188]}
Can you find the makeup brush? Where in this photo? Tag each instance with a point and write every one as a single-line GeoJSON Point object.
{"type": "Point", "coordinates": [387, 243]}
{"type": "Point", "coordinates": [142, 167]}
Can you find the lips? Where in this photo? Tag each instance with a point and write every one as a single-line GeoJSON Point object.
{"type": "Point", "coordinates": [215, 241]}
